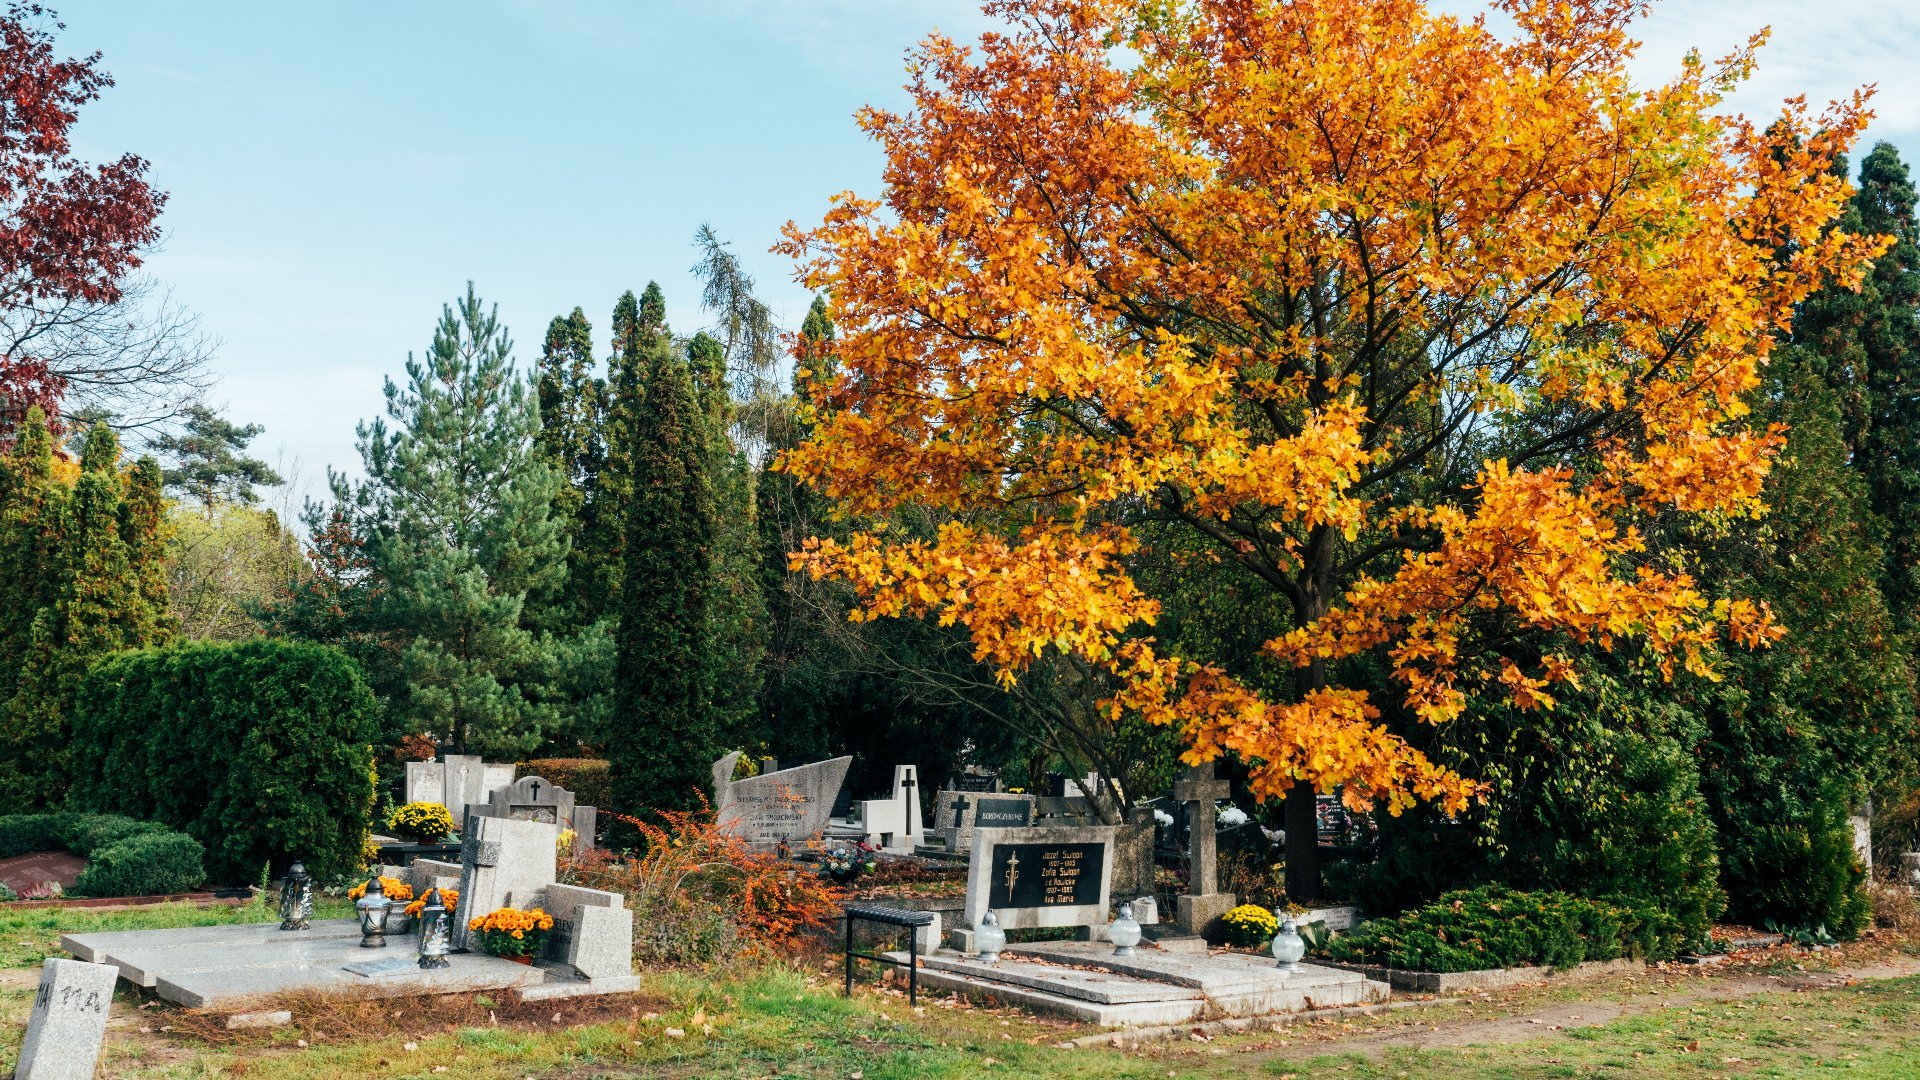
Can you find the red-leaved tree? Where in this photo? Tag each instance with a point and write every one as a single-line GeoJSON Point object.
{"type": "Point", "coordinates": [70, 232]}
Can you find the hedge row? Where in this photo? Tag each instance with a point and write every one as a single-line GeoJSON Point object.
{"type": "Point", "coordinates": [124, 857]}
{"type": "Point", "coordinates": [260, 750]}
{"type": "Point", "coordinates": [1496, 927]}
{"type": "Point", "coordinates": [587, 778]}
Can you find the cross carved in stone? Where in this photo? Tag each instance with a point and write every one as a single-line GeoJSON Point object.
{"type": "Point", "coordinates": [1199, 789]}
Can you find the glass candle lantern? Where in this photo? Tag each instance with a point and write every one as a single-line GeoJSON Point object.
{"type": "Point", "coordinates": [988, 938]}
{"type": "Point", "coordinates": [436, 931]}
{"type": "Point", "coordinates": [1125, 932]}
{"type": "Point", "coordinates": [1288, 945]}
{"type": "Point", "coordinates": [296, 898]}
{"type": "Point", "coordinates": [373, 915]}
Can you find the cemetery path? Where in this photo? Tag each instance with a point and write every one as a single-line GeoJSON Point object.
{"type": "Point", "coordinates": [1527, 1014]}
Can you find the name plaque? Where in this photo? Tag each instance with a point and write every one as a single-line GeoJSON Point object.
{"type": "Point", "coordinates": [1002, 813]}
{"type": "Point", "coordinates": [1046, 875]}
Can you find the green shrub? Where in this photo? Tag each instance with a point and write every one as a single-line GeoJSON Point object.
{"type": "Point", "coordinates": [84, 834]}
{"type": "Point", "coordinates": [1496, 927]}
{"type": "Point", "coordinates": [144, 864]}
{"type": "Point", "coordinates": [21, 834]}
{"type": "Point", "coordinates": [260, 750]}
{"type": "Point", "coordinates": [587, 778]}
{"type": "Point", "coordinates": [1802, 876]}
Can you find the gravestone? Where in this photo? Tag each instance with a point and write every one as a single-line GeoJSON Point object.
{"type": "Point", "coordinates": [791, 804]}
{"type": "Point", "coordinates": [1203, 902]}
{"type": "Point", "coordinates": [1038, 877]}
{"type": "Point", "coordinates": [68, 1024]}
{"type": "Point", "coordinates": [534, 798]}
{"type": "Point", "coordinates": [981, 780]}
{"type": "Point", "coordinates": [592, 931]}
{"type": "Point", "coordinates": [504, 862]}
{"type": "Point", "coordinates": [958, 813]}
{"type": "Point", "coordinates": [894, 823]}
{"type": "Point", "coordinates": [457, 782]}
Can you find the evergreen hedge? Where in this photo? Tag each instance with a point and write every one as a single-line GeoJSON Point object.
{"type": "Point", "coordinates": [260, 750]}
{"type": "Point", "coordinates": [124, 857]}
{"type": "Point", "coordinates": [1497, 927]}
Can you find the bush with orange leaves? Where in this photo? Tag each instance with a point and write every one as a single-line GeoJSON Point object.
{"type": "Point", "coordinates": [699, 895]}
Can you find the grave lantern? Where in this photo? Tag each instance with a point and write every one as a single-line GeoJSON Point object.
{"type": "Point", "coordinates": [1288, 946]}
{"type": "Point", "coordinates": [296, 897]}
{"type": "Point", "coordinates": [373, 915]}
{"type": "Point", "coordinates": [1125, 931]}
{"type": "Point", "coordinates": [436, 931]}
{"type": "Point", "coordinates": [989, 938]}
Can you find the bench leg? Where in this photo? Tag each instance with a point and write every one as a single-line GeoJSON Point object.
{"type": "Point", "coordinates": [849, 956]}
{"type": "Point", "coordinates": [913, 965]}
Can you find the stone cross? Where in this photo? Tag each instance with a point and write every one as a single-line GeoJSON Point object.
{"type": "Point", "coordinates": [1204, 903]}
{"type": "Point", "coordinates": [69, 1021]}
{"type": "Point", "coordinates": [1200, 789]}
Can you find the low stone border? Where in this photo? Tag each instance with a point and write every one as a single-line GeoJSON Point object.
{"type": "Point", "coordinates": [1240, 1024]}
{"type": "Point", "coordinates": [234, 897]}
{"type": "Point", "coordinates": [1437, 982]}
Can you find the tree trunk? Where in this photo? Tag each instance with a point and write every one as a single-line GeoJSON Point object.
{"type": "Point", "coordinates": [1303, 844]}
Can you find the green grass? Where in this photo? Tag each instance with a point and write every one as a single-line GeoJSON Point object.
{"type": "Point", "coordinates": [779, 1022]}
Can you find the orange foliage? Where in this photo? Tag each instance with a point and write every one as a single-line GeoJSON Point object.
{"type": "Point", "coordinates": [688, 860]}
{"type": "Point", "coordinates": [1285, 273]}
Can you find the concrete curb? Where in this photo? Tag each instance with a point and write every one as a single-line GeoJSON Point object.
{"type": "Point", "coordinates": [1240, 1024]}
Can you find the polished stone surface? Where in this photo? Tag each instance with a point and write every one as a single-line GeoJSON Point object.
{"type": "Point", "coordinates": [68, 1023]}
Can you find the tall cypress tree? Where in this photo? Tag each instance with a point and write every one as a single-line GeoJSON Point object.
{"type": "Point", "coordinates": [571, 444]}
{"type": "Point", "coordinates": [666, 730]}
{"type": "Point", "coordinates": [1867, 343]}
{"type": "Point", "coordinates": [457, 513]}
{"type": "Point", "coordinates": [639, 324]}
{"type": "Point", "coordinates": [99, 549]}
{"type": "Point", "coordinates": [736, 610]}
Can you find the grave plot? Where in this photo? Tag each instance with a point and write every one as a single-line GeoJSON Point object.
{"type": "Point", "coordinates": [505, 863]}
{"type": "Point", "coordinates": [1055, 877]}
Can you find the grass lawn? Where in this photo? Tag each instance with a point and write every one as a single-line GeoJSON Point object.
{"type": "Point", "coordinates": [788, 1020]}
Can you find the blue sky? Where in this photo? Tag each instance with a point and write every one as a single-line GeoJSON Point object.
{"type": "Point", "coordinates": [338, 171]}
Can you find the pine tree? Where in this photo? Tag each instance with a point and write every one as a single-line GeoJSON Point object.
{"type": "Point", "coordinates": [666, 728]}
{"type": "Point", "coordinates": [462, 536]}
{"type": "Point", "coordinates": [210, 463]}
{"type": "Point", "coordinates": [99, 547]}
{"type": "Point", "coordinates": [570, 442]}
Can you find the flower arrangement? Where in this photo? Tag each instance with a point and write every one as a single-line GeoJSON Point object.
{"type": "Point", "coordinates": [421, 822]}
{"type": "Point", "coordinates": [845, 864]}
{"type": "Point", "coordinates": [563, 845]}
{"type": "Point", "coordinates": [450, 898]}
{"type": "Point", "coordinates": [512, 932]}
{"type": "Point", "coordinates": [394, 888]}
{"type": "Point", "coordinates": [1229, 816]}
{"type": "Point", "coordinates": [1250, 925]}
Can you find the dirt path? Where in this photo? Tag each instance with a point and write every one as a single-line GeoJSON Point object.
{"type": "Point", "coordinates": [1508, 1017]}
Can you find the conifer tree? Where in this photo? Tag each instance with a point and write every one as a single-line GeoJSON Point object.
{"type": "Point", "coordinates": [666, 732]}
{"type": "Point", "coordinates": [97, 550]}
{"type": "Point", "coordinates": [461, 533]}
{"type": "Point", "coordinates": [737, 611]}
{"type": "Point", "coordinates": [210, 464]}
{"type": "Point", "coordinates": [1868, 344]}
{"type": "Point", "coordinates": [639, 323]}
{"type": "Point", "coordinates": [570, 440]}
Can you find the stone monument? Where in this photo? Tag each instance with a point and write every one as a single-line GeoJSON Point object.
{"type": "Point", "coordinates": [791, 804]}
{"type": "Point", "coordinates": [456, 782]}
{"type": "Point", "coordinates": [69, 1021]}
{"type": "Point", "coordinates": [958, 813]}
{"type": "Point", "coordinates": [504, 862]}
{"type": "Point", "coordinates": [1199, 789]}
{"type": "Point", "coordinates": [1038, 877]}
{"type": "Point", "coordinates": [534, 798]}
{"type": "Point", "coordinates": [895, 824]}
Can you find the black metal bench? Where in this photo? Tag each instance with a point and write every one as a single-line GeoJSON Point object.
{"type": "Point", "coordinates": [889, 916]}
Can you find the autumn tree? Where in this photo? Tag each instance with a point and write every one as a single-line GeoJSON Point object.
{"type": "Point", "coordinates": [1417, 323]}
{"type": "Point", "coordinates": [71, 234]}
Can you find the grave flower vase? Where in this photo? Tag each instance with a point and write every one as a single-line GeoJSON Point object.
{"type": "Point", "coordinates": [398, 921]}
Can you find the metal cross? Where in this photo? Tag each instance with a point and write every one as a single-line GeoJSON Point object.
{"type": "Point", "coordinates": [1013, 873]}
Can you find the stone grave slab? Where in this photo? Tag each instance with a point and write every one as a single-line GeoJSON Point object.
{"type": "Point", "coordinates": [68, 1023]}
{"type": "Point", "coordinates": [156, 946]}
{"type": "Point", "coordinates": [235, 985]}
{"type": "Point", "coordinates": [1042, 876]}
{"type": "Point", "coordinates": [1237, 984]}
{"type": "Point", "coordinates": [791, 804]}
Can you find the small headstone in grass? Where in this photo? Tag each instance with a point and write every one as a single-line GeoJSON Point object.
{"type": "Point", "coordinates": [69, 1021]}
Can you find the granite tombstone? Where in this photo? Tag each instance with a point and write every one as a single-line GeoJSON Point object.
{"type": "Point", "coordinates": [68, 1024]}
